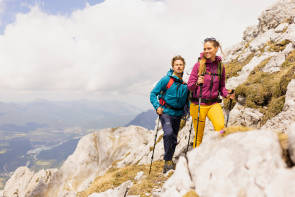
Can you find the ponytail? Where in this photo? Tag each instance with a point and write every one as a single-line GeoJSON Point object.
{"type": "Point", "coordinates": [202, 68]}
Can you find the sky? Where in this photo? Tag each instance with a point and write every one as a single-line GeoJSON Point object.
{"type": "Point", "coordinates": [112, 49]}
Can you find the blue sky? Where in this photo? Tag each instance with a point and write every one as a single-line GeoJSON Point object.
{"type": "Point", "coordinates": [55, 7]}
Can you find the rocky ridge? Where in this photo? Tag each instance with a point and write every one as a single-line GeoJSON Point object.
{"type": "Point", "coordinates": [240, 164]}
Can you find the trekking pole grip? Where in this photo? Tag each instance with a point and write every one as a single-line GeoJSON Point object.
{"type": "Point", "coordinates": [232, 91]}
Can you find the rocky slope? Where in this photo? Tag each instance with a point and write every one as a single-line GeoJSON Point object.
{"type": "Point", "coordinates": [254, 163]}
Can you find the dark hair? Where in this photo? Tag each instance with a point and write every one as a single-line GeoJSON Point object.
{"type": "Point", "coordinates": [213, 40]}
{"type": "Point", "coordinates": [178, 57]}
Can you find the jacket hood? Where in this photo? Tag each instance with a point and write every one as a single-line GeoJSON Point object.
{"type": "Point", "coordinates": [170, 74]}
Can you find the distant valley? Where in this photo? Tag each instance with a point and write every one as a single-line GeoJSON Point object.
{"type": "Point", "coordinates": [42, 134]}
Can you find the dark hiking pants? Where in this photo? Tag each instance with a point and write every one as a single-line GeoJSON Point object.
{"type": "Point", "coordinates": [170, 126]}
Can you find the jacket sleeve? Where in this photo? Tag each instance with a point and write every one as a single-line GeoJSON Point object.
{"type": "Point", "coordinates": [193, 78]}
{"type": "Point", "coordinates": [160, 86]}
{"type": "Point", "coordinates": [223, 90]}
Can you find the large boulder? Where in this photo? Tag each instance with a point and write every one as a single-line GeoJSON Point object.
{"type": "Point", "coordinates": [241, 164]}
{"type": "Point", "coordinates": [282, 185]}
{"type": "Point", "coordinates": [243, 116]}
{"type": "Point", "coordinates": [182, 182]}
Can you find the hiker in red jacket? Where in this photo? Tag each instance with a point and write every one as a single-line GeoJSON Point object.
{"type": "Point", "coordinates": [206, 82]}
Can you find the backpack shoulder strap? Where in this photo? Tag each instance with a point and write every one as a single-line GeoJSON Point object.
{"type": "Point", "coordinates": [219, 72]}
{"type": "Point", "coordinates": [220, 69]}
{"type": "Point", "coordinates": [162, 93]}
{"type": "Point", "coordinates": [170, 82]}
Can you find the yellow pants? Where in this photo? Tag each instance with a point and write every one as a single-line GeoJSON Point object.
{"type": "Point", "coordinates": [215, 115]}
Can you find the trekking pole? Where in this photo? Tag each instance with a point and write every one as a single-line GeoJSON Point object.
{"type": "Point", "coordinates": [189, 137]}
{"type": "Point", "coordinates": [157, 128]}
{"type": "Point", "coordinates": [196, 132]}
{"type": "Point", "coordinates": [230, 104]}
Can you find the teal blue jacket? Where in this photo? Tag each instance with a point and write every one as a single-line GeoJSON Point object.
{"type": "Point", "coordinates": [176, 96]}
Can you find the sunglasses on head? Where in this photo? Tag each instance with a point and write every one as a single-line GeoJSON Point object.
{"type": "Point", "coordinates": [210, 39]}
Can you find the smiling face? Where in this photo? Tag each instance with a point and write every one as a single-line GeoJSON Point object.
{"type": "Point", "coordinates": [210, 50]}
{"type": "Point", "coordinates": [178, 67]}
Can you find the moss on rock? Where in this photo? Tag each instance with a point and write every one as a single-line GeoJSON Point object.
{"type": "Point", "coordinates": [266, 91]}
{"type": "Point", "coordinates": [232, 68]}
{"type": "Point", "coordinates": [277, 47]}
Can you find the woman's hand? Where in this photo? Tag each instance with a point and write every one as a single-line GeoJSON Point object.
{"type": "Point", "coordinates": [231, 94]}
{"type": "Point", "coordinates": [200, 80]}
{"type": "Point", "coordinates": [160, 110]}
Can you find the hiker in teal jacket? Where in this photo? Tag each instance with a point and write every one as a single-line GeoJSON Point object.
{"type": "Point", "coordinates": [170, 99]}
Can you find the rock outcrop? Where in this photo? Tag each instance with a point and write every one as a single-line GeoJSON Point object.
{"type": "Point", "coordinates": [282, 11]}
{"type": "Point", "coordinates": [283, 120]}
{"type": "Point", "coordinates": [95, 153]}
{"type": "Point", "coordinates": [26, 183]}
{"type": "Point", "coordinates": [244, 116]}
{"type": "Point", "coordinates": [242, 164]}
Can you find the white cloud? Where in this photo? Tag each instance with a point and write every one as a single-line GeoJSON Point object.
{"type": "Point", "coordinates": [2, 8]}
{"type": "Point", "coordinates": [116, 49]}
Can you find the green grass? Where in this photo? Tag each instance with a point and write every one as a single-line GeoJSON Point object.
{"type": "Point", "coordinates": [114, 177]}
{"type": "Point", "coordinates": [232, 68]}
{"type": "Point", "coordinates": [277, 47]}
{"type": "Point", "coordinates": [266, 91]}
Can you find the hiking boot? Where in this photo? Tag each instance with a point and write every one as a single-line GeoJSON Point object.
{"type": "Point", "coordinates": [169, 165]}
{"type": "Point", "coordinates": [222, 131]}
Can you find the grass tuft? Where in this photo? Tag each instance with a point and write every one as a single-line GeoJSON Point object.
{"type": "Point", "coordinates": [266, 91]}
{"type": "Point", "coordinates": [116, 176]}
{"type": "Point", "coordinates": [277, 47]}
{"type": "Point", "coordinates": [235, 129]}
{"type": "Point", "coordinates": [232, 68]}
{"type": "Point", "coordinates": [191, 193]}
